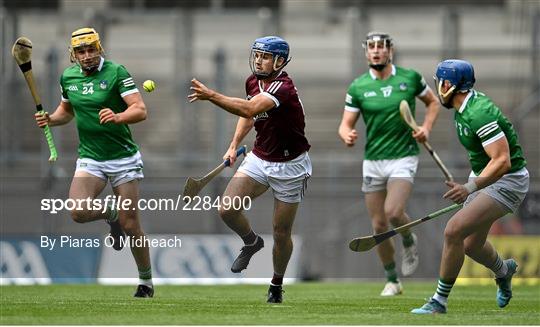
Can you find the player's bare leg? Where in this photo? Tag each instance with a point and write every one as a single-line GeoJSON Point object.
{"type": "Point", "coordinates": [385, 250]}
{"type": "Point", "coordinates": [468, 228]}
{"type": "Point", "coordinates": [398, 192]}
{"type": "Point", "coordinates": [84, 186]}
{"type": "Point", "coordinates": [242, 185]}
{"type": "Point", "coordinates": [284, 214]}
{"type": "Point", "coordinates": [379, 223]}
{"type": "Point", "coordinates": [476, 216]}
{"type": "Point", "coordinates": [130, 224]}
{"type": "Point", "coordinates": [478, 248]}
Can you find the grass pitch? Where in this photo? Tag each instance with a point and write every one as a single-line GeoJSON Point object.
{"type": "Point", "coordinates": [304, 304]}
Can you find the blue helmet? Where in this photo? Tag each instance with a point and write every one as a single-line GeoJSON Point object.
{"type": "Point", "coordinates": [458, 72]}
{"type": "Point", "coordinates": [278, 47]}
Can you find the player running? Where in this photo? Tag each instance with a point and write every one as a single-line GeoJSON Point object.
{"type": "Point", "coordinates": [391, 151]}
{"type": "Point", "coordinates": [497, 185]}
{"type": "Point", "coordinates": [279, 159]}
{"type": "Point", "coordinates": [103, 98]}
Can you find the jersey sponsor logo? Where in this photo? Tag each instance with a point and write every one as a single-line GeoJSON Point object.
{"type": "Point", "coordinates": [103, 84]}
{"type": "Point", "coordinates": [403, 86]}
{"type": "Point", "coordinates": [370, 94]}
{"type": "Point", "coordinates": [348, 98]}
{"type": "Point", "coordinates": [262, 115]}
{"type": "Point", "coordinates": [73, 88]}
{"type": "Point", "coordinates": [387, 91]}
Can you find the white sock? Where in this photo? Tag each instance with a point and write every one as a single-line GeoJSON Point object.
{"type": "Point", "coordinates": [441, 299]}
{"type": "Point", "coordinates": [146, 282]}
{"type": "Point", "coordinates": [499, 268]}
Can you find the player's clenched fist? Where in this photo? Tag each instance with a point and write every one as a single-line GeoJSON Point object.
{"type": "Point", "coordinates": [42, 119]}
{"type": "Point", "coordinates": [350, 137]}
{"type": "Point", "coordinates": [231, 155]}
{"type": "Point", "coordinates": [457, 193]}
{"type": "Point", "coordinates": [421, 135]}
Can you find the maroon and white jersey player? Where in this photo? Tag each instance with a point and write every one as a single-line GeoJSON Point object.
{"type": "Point", "coordinates": [280, 130]}
{"type": "Point", "coordinates": [279, 159]}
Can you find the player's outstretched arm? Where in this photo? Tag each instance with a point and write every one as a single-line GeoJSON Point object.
{"type": "Point", "coordinates": [61, 116]}
{"type": "Point", "coordinates": [134, 113]}
{"type": "Point", "coordinates": [237, 106]}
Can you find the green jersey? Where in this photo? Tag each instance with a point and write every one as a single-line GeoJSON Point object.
{"type": "Point", "coordinates": [87, 96]}
{"type": "Point", "coordinates": [479, 122]}
{"type": "Point", "coordinates": [387, 135]}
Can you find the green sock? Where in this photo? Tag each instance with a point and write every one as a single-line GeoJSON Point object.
{"type": "Point", "coordinates": [145, 273]}
{"type": "Point", "coordinates": [113, 215]}
{"type": "Point", "coordinates": [390, 272]}
{"type": "Point", "coordinates": [407, 239]}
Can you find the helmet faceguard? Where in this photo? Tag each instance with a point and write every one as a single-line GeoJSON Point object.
{"type": "Point", "coordinates": [273, 45]}
{"type": "Point", "coordinates": [460, 75]}
{"type": "Point", "coordinates": [444, 97]}
{"type": "Point", "coordinates": [375, 40]}
{"type": "Point", "coordinates": [86, 37]}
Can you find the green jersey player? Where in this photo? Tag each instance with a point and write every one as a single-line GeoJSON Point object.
{"type": "Point", "coordinates": [103, 98]}
{"type": "Point", "coordinates": [497, 185]}
{"type": "Point", "coordinates": [391, 150]}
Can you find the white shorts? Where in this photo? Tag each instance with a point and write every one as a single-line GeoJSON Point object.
{"type": "Point", "coordinates": [288, 180]}
{"type": "Point", "coordinates": [378, 172]}
{"type": "Point", "coordinates": [118, 171]}
{"type": "Point", "coordinates": [509, 190]}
